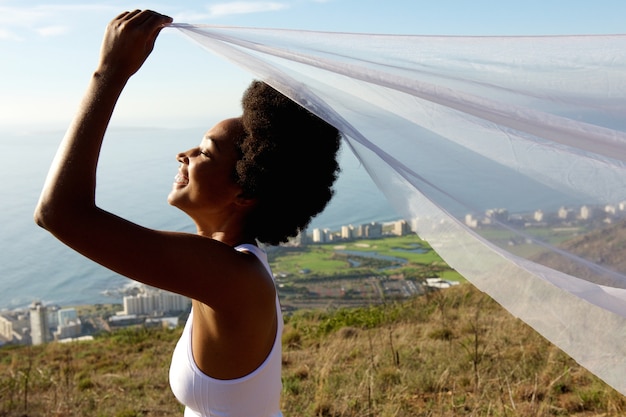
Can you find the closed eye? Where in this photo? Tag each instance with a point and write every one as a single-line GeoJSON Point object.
{"type": "Point", "coordinates": [205, 153]}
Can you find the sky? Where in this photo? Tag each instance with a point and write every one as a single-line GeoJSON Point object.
{"type": "Point", "coordinates": [49, 49]}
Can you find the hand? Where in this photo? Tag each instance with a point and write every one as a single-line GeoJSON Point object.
{"type": "Point", "coordinates": [128, 40]}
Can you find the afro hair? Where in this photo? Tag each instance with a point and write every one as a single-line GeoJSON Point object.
{"type": "Point", "coordinates": [288, 163]}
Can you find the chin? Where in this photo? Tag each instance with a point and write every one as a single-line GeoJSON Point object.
{"type": "Point", "coordinates": [172, 200]}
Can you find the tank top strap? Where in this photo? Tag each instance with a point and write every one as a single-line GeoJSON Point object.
{"type": "Point", "coordinates": [256, 251]}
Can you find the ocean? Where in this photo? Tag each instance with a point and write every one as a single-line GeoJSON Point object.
{"type": "Point", "coordinates": [135, 175]}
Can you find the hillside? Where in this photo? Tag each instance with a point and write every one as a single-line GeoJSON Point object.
{"type": "Point", "coordinates": [604, 246]}
{"type": "Point", "coordinates": [448, 353]}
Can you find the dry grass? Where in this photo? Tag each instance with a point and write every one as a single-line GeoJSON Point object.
{"type": "Point", "coordinates": [452, 353]}
{"type": "Point", "coordinates": [121, 375]}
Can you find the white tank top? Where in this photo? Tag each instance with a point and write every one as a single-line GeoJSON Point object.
{"type": "Point", "coordinates": [256, 394]}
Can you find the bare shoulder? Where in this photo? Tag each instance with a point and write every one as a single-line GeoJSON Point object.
{"type": "Point", "coordinates": [215, 274]}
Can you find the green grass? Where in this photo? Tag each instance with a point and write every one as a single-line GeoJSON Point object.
{"type": "Point", "coordinates": [314, 258]}
{"type": "Point", "coordinates": [326, 260]}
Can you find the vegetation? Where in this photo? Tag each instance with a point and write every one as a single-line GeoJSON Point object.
{"type": "Point", "coordinates": [120, 374]}
{"type": "Point", "coordinates": [391, 255]}
{"type": "Point", "coordinates": [448, 353]}
{"type": "Point", "coordinates": [358, 272]}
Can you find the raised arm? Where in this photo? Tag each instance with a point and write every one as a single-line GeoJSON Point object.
{"type": "Point", "coordinates": [192, 265]}
{"type": "Point", "coordinates": [70, 185]}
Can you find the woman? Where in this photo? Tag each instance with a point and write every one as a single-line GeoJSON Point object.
{"type": "Point", "coordinates": [250, 179]}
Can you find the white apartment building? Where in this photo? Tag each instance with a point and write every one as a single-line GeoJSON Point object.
{"type": "Point", "coordinates": [154, 302]}
{"type": "Point", "coordinates": [372, 230]}
{"type": "Point", "coordinates": [39, 328]}
{"type": "Point", "coordinates": [320, 235]}
{"type": "Point", "coordinates": [14, 326]}
{"type": "Point", "coordinates": [563, 213]}
{"type": "Point", "coordinates": [586, 212]}
{"type": "Point", "coordinates": [348, 232]}
{"type": "Point", "coordinates": [6, 328]}
{"type": "Point", "coordinates": [401, 228]}
{"type": "Point", "coordinates": [471, 221]}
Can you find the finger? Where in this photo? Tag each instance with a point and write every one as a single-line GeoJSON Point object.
{"type": "Point", "coordinates": [150, 16]}
{"type": "Point", "coordinates": [153, 22]}
{"type": "Point", "coordinates": [162, 19]}
{"type": "Point", "coordinates": [158, 21]}
{"type": "Point", "coordinates": [124, 17]}
{"type": "Point", "coordinates": [130, 15]}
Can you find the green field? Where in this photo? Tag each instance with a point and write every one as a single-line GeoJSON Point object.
{"type": "Point", "coordinates": [330, 259]}
{"type": "Point", "coordinates": [358, 271]}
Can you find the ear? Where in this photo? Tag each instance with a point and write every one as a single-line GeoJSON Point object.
{"type": "Point", "coordinates": [245, 202]}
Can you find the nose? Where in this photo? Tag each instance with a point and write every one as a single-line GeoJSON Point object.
{"type": "Point", "coordinates": [182, 157]}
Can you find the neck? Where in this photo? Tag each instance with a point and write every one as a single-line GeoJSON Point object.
{"type": "Point", "coordinates": [230, 239]}
{"type": "Point", "coordinates": [229, 233]}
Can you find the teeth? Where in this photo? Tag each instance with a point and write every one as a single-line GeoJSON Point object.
{"type": "Point", "coordinates": [181, 179]}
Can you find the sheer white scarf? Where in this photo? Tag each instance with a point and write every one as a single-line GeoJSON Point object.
{"type": "Point", "coordinates": [495, 148]}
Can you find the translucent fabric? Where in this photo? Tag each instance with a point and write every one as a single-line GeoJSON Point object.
{"type": "Point", "coordinates": [507, 154]}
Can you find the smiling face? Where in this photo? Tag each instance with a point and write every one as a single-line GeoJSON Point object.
{"type": "Point", "coordinates": [205, 188]}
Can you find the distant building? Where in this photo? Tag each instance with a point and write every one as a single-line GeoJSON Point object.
{"type": "Point", "coordinates": [39, 328]}
{"type": "Point", "coordinates": [124, 320]}
{"type": "Point", "coordinates": [321, 235]}
{"type": "Point", "coordinates": [471, 221]}
{"type": "Point", "coordinates": [164, 322]}
{"type": "Point", "coordinates": [586, 212]}
{"type": "Point", "coordinates": [371, 230]}
{"type": "Point", "coordinates": [300, 240]}
{"type": "Point", "coordinates": [348, 232]}
{"type": "Point", "coordinates": [70, 330]}
{"type": "Point", "coordinates": [154, 302]}
{"type": "Point", "coordinates": [15, 327]}
{"type": "Point", "coordinates": [440, 283]}
{"type": "Point", "coordinates": [538, 216]}
{"type": "Point", "coordinates": [401, 228]}
{"type": "Point", "coordinates": [6, 328]}
{"type": "Point", "coordinates": [68, 324]}
{"type": "Point", "coordinates": [497, 214]}
{"type": "Point", "coordinates": [53, 316]}
{"type": "Point", "coordinates": [66, 315]}
{"type": "Point", "coordinates": [564, 213]}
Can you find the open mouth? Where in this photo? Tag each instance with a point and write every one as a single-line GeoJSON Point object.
{"type": "Point", "coordinates": [180, 179]}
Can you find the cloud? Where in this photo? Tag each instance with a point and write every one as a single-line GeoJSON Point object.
{"type": "Point", "coordinates": [48, 31]}
{"type": "Point", "coordinates": [21, 21]}
{"type": "Point", "coordinates": [245, 7]}
{"type": "Point", "coordinates": [7, 35]}
{"type": "Point", "coordinates": [20, 16]}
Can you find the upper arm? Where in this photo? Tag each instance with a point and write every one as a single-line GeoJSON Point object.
{"type": "Point", "coordinates": [195, 266]}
